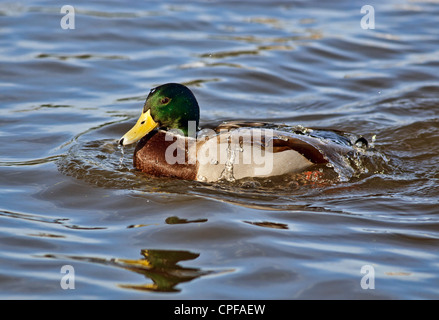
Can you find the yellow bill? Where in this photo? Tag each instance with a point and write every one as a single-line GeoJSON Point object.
{"type": "Point", "coordinates": [144, 125]}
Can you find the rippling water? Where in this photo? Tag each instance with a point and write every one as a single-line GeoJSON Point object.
{"type": "Point", "coordinates": [70, 196]}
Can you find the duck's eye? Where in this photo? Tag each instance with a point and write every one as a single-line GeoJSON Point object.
{"type": "Point", "coordinates": [164, 100]}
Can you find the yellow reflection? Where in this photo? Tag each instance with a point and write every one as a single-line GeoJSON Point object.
{"type": "Point", "coordinates": [161, 266]}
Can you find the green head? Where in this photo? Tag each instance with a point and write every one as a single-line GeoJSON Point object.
{"type": "Point", "coordinates": [172, 106]}
{"type": "Point", "coordinates": [169, 106]}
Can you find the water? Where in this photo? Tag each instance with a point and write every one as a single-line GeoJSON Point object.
{"type": "Point", "coordinates": [69, 196]}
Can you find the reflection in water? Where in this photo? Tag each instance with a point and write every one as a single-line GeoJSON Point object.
{"type": "Point", "coordinates": [268, 224]}
{"type": "Point", "coordinates": [161, 266]}
{"type": "Point", "coordinates": [79, 56]}
{"type": "Point", "coordinates": [43, 219]}
{"type": "Point", "coordinates": [177, 220]}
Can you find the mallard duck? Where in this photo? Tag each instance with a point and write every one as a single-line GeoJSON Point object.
{"type": "Point", "coordinates": [172, 145]}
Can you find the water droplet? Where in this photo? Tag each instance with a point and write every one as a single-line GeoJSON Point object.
{"type": "Point", "coordinates": [361, 144]}
{"type": "Point", "coordinates": [121, 148]}
{"type": "Point", "coordinates": [372, 143]}
{"type": "Point", "coordinates": [227, 173]}
{"type": "Point", "coordinates": [241, 146]}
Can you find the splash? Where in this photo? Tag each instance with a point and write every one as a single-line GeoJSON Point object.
{"type": "Point", "coordinates": [122, 151]}
{"type": "Point", "coordinates": [227, 173]}
{"type": "Point", "coordinates": [357, 156]}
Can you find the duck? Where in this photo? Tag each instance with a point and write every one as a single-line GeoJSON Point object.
{"type": "Point", "coordinates": [171, 144]}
